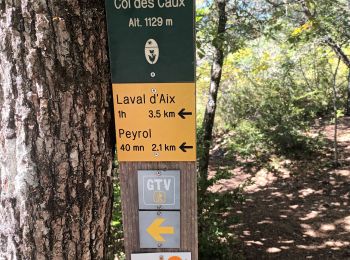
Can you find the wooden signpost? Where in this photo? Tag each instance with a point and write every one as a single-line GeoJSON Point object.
{"type": "Point", "coordinates": [152, 59]}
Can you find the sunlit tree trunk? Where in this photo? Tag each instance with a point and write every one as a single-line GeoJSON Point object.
{"type": "Point", "coordinates": [338, 51]}
{"type": "Point", "coordinates": [348, 97]}
{"type": "Point", "coordinates": [55, 150]}
{"type": "Point", "coordinates": [216, 71]}
{"type": "Point", "coordinates": [335, 112]}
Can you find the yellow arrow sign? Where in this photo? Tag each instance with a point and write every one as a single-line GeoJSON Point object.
{"type": "Point", "coordinates": [155, 230]}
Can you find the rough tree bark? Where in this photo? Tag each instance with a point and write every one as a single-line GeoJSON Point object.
{"type": "Point", "coordinates": [209, 116]}
{"type": "Point", "coordinates": [55, 149]}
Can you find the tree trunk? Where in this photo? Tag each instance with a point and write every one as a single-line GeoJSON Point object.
{"type": "Point", "coordinates": [335, 112]}
{"type": "Point", "coordinates": [328, 39]}
{"type": "Point", "coordinates": [209, 116]}
{"type": "Point", "coordinates": [55, 147]}
{"type": "Point", "coordinates": [338, 50]}
{"type": "Point", "coordinates": [348, 97]}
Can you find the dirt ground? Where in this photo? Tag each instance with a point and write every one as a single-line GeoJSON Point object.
{"type": "Point", "coordinates": [295, 208]}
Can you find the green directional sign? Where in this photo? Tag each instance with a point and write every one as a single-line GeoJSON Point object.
{"type": "Point", "coordinates": [151, 40]}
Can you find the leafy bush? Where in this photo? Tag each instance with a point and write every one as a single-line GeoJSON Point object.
{"type": "Point", "coordinates": [247, 140]}
{"type": "Point", "coordinates": [116, 238]}
{"type": "Point", "coordinates": [215, 218]}
{"type": "Point", "coordinates": [273, 93]}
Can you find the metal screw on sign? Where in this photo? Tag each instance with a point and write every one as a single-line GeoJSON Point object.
{"type": "Point", "coordinates": [159, 213]}
{"type": "Point", "coordinates": [153, 74]}
{"type": "Point", "coordinates": [156, 154]}
{"type": "Point", "coordinates": [159, 173]}
{"type": "Point", "coordinates": [159, 245]}
{"type": "Point", "coordinates": [154, 91]}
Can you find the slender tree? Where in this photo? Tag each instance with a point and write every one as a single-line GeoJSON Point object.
{"type": "Point", "coordinates": [230, 25]}
{"type": "Point", "coordinates": [216, 71]}
{"type": "Point", "coordinates": [348, 97]}
{"type": "Point", "coordinates": [335, 113]}
{"type": "Point", "coordinates": [55, 149]}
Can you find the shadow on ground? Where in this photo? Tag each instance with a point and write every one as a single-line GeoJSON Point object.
{"type": "Point", "coordinates": [294, 209]}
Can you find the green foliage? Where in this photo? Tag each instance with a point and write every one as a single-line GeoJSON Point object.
{"type": "Point", "coordinates": [215, 219]}
{"type": "Point", "coordinates": [116, 247]}
{"type": "Point", "coordinates": [272, 94]}
{"type": "Point", "coordinates": [277, 80]}
{"type": "Point", "coordinates": [244, 23]}
{"type": "Point", "coordinates": [247, 140]}
{"type": "Point", "coordinates": [215, 237]}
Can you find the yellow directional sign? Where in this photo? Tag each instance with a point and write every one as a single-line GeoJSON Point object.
{"type": "Point", "coordinates": [155, 121]}
{"type": "Point", "coordinates": [159, 229]}
{"type": "Point", "coordinates": [156, 230]}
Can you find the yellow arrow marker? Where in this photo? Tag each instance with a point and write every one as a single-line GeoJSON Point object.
{"type": "Point", "coordinates": [155, 230]}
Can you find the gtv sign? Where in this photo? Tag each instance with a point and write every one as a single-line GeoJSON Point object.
{"type": "Point", "coordinates": [159, 190]}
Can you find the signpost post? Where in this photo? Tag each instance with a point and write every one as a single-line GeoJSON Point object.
{"type": "Point", "coordinates": [152, 59]}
